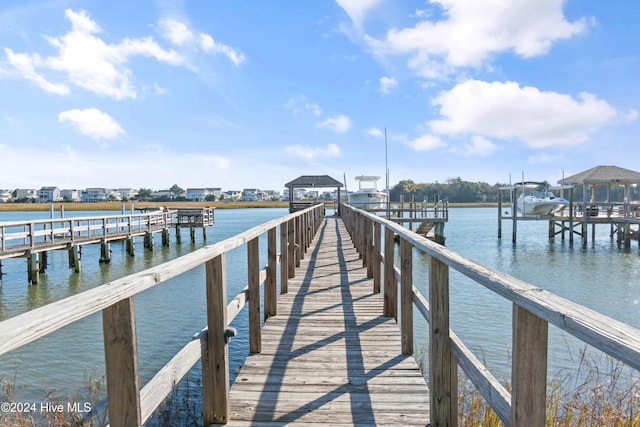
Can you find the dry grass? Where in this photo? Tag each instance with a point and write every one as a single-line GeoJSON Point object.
{"type": "Point", "coordinates": [92, 394]}
{"type": "Point", "coordinates": [599, 391]}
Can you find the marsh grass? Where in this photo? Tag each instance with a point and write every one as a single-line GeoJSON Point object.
{"type": "Point", "coordinates": [92, 393]}
{"type": "Point", "coordinates": [599, 391]}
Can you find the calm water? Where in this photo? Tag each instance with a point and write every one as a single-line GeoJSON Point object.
{"type": "Point", "coordinates": [601, 276]}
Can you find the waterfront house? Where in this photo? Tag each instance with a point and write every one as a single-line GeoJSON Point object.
{"type": "Point", "coordinates": [5, 196]}
{"type": "Point", "coordinates": [162, 195]}
{"type": "Point", "coordinates": [232, 194]}
{"type": "Point", "coordinates": [126, 193]}
{"type": "Point", "coordinates": [271, 195]}
{"type": "Point", "coordinates": [94, 195]}
{"type": "Point", "coordinates": [69, 195]}
{"type": "Point", "coordinates": [26, 194]}
{"type": "Point", "coordinates": [201, 194]}
{"type": "Point", "coordinates": [48, 194]}
{"type": "Point", "coordinates": [251, 195]}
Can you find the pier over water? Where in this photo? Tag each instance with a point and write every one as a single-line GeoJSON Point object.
{"type": "Point", "coordinates": [331, 333]}
{"type": "Point", "coordinates": [32, 239]}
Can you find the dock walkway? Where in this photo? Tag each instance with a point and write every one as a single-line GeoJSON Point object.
{"type": "Point", "coordinates": [329, 357]}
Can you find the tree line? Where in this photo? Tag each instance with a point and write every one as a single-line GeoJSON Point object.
{"type": "Point", "coordinates": [455, 190]}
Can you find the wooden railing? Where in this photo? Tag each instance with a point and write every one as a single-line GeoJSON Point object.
{"type": "Point", "coordinates": [127, 403]}
{"type": "Point", "coordinates": [533, 310]}
{"type": "Point", "coordinates": [19, 237]}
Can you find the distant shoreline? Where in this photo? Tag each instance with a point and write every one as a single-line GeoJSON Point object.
{"type": "Point", "coordinates": [117, 206]}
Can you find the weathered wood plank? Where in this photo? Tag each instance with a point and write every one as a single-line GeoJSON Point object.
{"type": "Point", "coordinates": [121, 364]}
{"type": "Point", "coordinates": [329, 356]}
{"type": "Point", "coordinates": [215, 358]}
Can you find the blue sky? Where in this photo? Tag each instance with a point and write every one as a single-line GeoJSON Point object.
{"type": "Point", "coordinates": [253, 93]}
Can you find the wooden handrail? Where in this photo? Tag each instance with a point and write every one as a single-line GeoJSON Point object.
{"type": "Point", "coordinates": [533, 309]}
{"type": "Point", "coordinates": [127, 404]}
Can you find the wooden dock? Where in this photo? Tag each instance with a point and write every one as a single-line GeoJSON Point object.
{"type": "Point", "coordinates": [32, 239]}
{"type": "Point", "coordinates": [329, 357]}
{"type": "Point", "coordinates": [330, 351]}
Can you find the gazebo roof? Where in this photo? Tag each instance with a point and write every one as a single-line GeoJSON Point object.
{"type": "Point", "coordinates": [603, 175]}
{"type": "Point", "coordinates": [313, 181]}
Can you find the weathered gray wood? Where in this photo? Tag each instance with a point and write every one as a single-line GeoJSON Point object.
{"type": "Point", "coordinates": [253, 272]}
{"type": "Point", "coordinates": [491, 389]}
{"type": "Point", "coordinates": [271, 282]}
{"type": "Point", "coordinates": [291, 238]}
{"type": "Point", "coordinates": [121, 364]}
{"type": "Point", "coordinates": [215, 360]}
{"type": "Point", "coordinates": [284, 258]}
{"type": "Point", "coordinates": [406, 296]}
{"type": "Point", "coordinates": [377, 242]}
{"type": "Point", "coordinates": [329, 356]}
{"type": "Point", "coordinates": [390, 282]}
{"type": "Point", "coordinates": [442, 386]}
{"type": "Point", "coordinates": [369, 250]}
{"type": "Point", "coordinates": [529, 371]}
{"type": "Point", "coordinates": [613, 337]}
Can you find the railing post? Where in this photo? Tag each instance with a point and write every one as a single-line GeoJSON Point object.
{"type": "Point", "coordinates": [298, 239]}
{"type": "Point", "coordinates": [406, 296]}
{"type": "Point", "coordinates": [390, 283]}
{"type": "Point", "coordinates": [443, 390]}
{"type": "Point", "coordinates": [121, 364]}
{"type": "Point", "coordinates": [368, 246]}
{"type": "Point", "coordinates": [291, 238]}
{"type": "Point", "coordinates": [377, 241]}
{"type": "Point", "coordinates": [215, 360]}
{"type": "Point", "coordinates": [284, 257]}
{"type": "Point", "coordinates": [529, 371]}
{"type": "Point", "coordinates": [270, 285]}
{"type": "Point", "coordinates": [253, 266]}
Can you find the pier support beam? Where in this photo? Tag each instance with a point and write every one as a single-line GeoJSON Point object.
{"type": "Point", "coordinates": [165, 237]}
{"type": "Point", "coordinates": [43, 258]}
{"type": "Point", "coordinates": [33, 268]}
{"type": "Point", "coordinates": [148, 241]}
{"type": "Point", "coordinates": [105, 253]}
{"type": "Point", "coordinates": [192, 233]}
{"type": "Point", "coordinates": [131, 247]}
{"type": "Point", "coordinates": [74, 258]}
{"type": "Point", "coordinates": [178, 236]}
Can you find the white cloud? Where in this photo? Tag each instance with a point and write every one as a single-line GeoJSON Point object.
{"type": "Point", "coordinates": [479, 146]}
{"type": "Point", "coordinates": [24, 65]}
{"type": "Point", "coordinates": [471, 32]}
{"type": "Point", "coordinates": [387, 84]}
{"type": "Point", "coordinates": [298, 102]}
{"type": "Point", "coordinates": [375, 132]}
{"type": "Point", "coordinates": [426, 143]}
{"type": "Point", "coordinates": [310, 153]}
{"type": "Point", "coordinates": [87, 61]}
{"type": "Point", "coordinates": [338, 124]}
{"type": "Point", "coordinates": [179, 33]}
{"type": "Point", "coordinates": [504, 110]}
{"type": "Point", "coordinates": [92, 123]}
{"type": "Point", "coordinates": [357, 9]}
{"type": "Point", "coordinates": [208, 44]}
